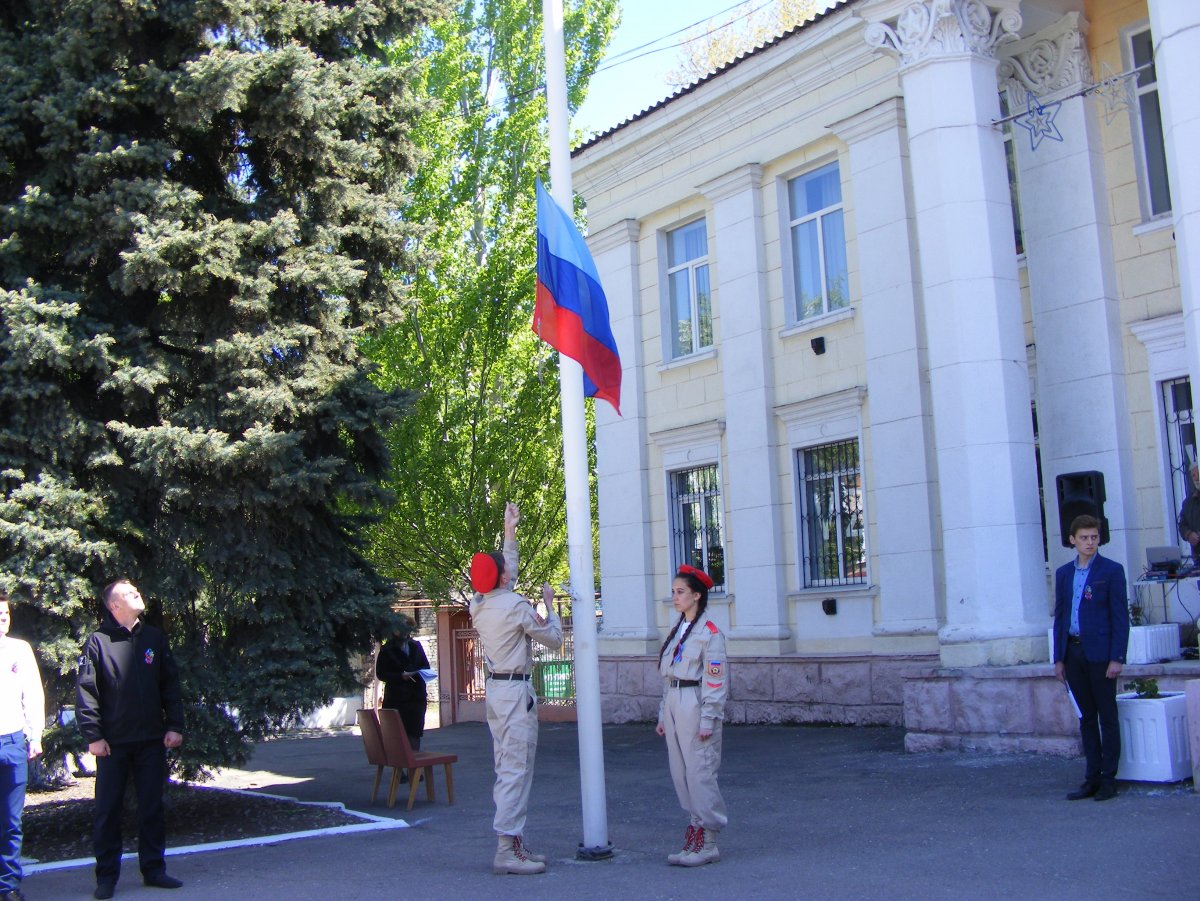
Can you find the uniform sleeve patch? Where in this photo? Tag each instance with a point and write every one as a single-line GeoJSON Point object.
{"type": "Point", "coordinates": [711, 626]}
{"type": "Point", "coordinates": [716, 668]}
{"type": "Point", "coordinates": [714, 684]}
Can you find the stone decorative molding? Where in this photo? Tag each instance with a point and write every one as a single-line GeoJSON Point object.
{"type": "Point", "coordinates": [1053, 61]}
{"type": "Point", "coordinates": [928, 29]}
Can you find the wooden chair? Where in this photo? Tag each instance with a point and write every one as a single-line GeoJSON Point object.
{"type": "Point", "coordinates": [419, 764]}
{"type": "Point", "coordinates": [368, 722]}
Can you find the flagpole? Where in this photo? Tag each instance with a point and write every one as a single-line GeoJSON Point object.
{"type": "Point", "coordinates": [595, 844]}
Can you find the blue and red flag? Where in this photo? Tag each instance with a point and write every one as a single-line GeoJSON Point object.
{"type": "Point", "coordinates": [571, 312]}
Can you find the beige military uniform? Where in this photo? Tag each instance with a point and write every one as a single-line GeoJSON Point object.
{"type": "Point", "coordinates": [685, 710]}
{"type": "Point", "coordinates": [508, 625]}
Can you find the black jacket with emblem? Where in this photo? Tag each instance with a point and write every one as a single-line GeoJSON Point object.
{"type": "Point", "coordinates": [128, 686]}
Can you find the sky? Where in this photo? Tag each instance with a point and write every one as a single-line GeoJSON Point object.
{"type": "Point", "coordinates": [629, 80]}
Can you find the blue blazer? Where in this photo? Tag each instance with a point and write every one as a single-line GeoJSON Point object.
{"type": "Point", "coordinates": [1103, 611]}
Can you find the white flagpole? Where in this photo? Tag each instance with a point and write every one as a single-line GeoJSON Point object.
{"type": "Point", "coordinates": [595, 844]}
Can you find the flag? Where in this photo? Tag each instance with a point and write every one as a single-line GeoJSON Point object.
{"type": "Point", "coordinates": [571, 312]}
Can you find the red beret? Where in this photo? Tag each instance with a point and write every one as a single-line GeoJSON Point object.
{"type": "Point", "coordinates": [484, 574]}
{"type": "Point", "coordinates": [699, 574]}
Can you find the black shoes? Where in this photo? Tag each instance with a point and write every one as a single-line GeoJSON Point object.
{"type": "Point", "coordinates": [1084, 791]}
{"type": "Point", "coordinates": [161, 880]}
{"type": "Point", "coordinates": [1105, 792]}
{"type": "Point", "coordinates": [104, 890]}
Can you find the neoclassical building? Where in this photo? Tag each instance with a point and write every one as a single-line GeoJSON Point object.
{"type": "Point", "coordinates": [877, 285]}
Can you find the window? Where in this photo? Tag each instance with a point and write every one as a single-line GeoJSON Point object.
{"type": "Point", "coordinates": [1181, 438]}
{"type": "Point", "coordinates": [696, 521]}
{"type": "Point", "coordinates": [834, 547]}
{"type": "Point", "coordinates": [687, 284]}
{"type": "Point", "coordinates": [1010, 158]}
{"type": "Point", "coordinates": [818, 242]}
{"type": "Point", "coordinates": [1148, 132]}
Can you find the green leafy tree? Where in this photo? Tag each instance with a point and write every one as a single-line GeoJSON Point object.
{"type": "Point", "coordinates": [485, 426]}
{"type": "Point", "coordinates": [199, 220]}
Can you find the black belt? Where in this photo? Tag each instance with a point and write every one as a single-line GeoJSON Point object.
{"type": "Point", "coordinates": [1074, 639]}
{"type": "Point", "coordinates": [685, 683]}
{"type": "Point", "coordinates": [511, 677]}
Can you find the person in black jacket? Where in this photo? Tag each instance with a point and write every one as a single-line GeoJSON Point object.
{"type": "Point", "coordinates": [130, 710]}
{"type": "Point", "coordinates": [398, 668]}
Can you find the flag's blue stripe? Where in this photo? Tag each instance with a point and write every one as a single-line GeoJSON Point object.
{"type": "Point", "coordinates": [576, 291]}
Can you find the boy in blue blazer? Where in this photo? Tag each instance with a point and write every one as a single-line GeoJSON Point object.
{"type": "Point", "coordinates": [1091, 635]}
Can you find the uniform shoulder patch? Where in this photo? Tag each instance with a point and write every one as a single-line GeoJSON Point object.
{"type": "Point", "coordinates": [712, 627]}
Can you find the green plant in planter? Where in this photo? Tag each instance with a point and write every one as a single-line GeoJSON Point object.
{"type": "Point", "coordinates": [1145, 688]}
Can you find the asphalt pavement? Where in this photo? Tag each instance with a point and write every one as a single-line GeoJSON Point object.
{"type": "Point", "coordinates": [814, 812]}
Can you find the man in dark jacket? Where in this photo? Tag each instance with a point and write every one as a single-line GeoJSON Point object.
{"type": "Point", "coordinates": [129, 709]}
{"type": "Point", "coordinates": [1091, 637]}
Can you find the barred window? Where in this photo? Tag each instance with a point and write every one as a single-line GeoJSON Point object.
{"type": "Point", "coordinates": [834, 550]}
{"type": "Point", "coordinates": [696, 522]}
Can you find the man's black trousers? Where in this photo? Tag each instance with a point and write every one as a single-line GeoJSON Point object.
{"type": "Point", "coordinates": [147, 763]}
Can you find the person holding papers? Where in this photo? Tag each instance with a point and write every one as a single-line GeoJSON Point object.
{"type": "Point", "coordinates": [1091, 635]}
{"type": "Point", "coordinates": [399, 669]}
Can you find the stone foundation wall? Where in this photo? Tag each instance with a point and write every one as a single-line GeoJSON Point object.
{"type": "Point", "coordinates": [1007, 709]}
{"type": "Point", "coordinates": [856, 691]}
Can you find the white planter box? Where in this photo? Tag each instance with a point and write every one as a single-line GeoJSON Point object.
{"type": "Point", "coordinates": [1147, 644]}
{"type": "Point", "coordinates": [1154, 738]}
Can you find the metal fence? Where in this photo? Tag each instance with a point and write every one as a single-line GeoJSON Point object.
{"type": "Point", "coordinates": [553, 671]}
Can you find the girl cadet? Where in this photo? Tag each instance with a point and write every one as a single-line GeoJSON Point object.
{"type": "Point", "coordinates": [696, 679]}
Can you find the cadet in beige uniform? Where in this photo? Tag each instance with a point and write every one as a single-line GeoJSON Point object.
{"type": "Point", "coordinates": [507, 625]}
{"type": "Point", "coordinates": [696, 681]}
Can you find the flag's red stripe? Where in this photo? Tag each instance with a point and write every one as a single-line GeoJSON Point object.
{"type": "Point", "coordinates": [563, 329]}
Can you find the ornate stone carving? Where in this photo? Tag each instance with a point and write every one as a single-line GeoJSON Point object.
{"type": "Point", "coordinates": [1053, 61]}
{"type": "Point", "coordinates": [933, 28]}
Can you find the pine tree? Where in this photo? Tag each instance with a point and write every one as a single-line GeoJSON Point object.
{"type": "Point", "coordinates": [199, 221]}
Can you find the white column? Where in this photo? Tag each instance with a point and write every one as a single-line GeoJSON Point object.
{"type": "Point", "coordinates": [1175, 28]}
{"type": "Point", "coordinates": [754, 572]}
{"type": "Point", "coordinates": [991, 526]}
{"type": "Point", "coordinates": [907, 565]}
{"type": "Point", "coordinates": [626, 567]}
{"type": "Point", "coordinates": [1072, 283]}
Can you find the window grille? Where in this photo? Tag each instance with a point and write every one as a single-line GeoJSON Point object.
{"type": "Point", "coordinates": [833, 524]}
{"type": "Point", "coordinates": [1181, 440]}
{"type": "Point", "coordinates": [696, 522]}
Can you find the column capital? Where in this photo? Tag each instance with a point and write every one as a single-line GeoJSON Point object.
{"type": "Point", "coordinates": [626, 231]}
{"type": "Point", "coordinates": [744, 178]}
{"type": "Point", "coordinates": [1053, 61]}
{"type": "Point", "coordinates": [882, 117]}
{"type": "Point", "coordinates": [929, 29]}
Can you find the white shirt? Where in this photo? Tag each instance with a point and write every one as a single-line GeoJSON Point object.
{"type": "Point", "coordinates": [22, 704]}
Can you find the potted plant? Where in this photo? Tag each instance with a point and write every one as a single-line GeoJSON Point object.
{"type": "Point", "coordinates": [1154, 736]}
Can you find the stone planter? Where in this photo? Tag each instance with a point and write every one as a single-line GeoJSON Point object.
{"type": "Point", "coordinates": [1154, 738]}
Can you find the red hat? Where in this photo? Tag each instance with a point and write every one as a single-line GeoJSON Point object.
{"type": "Point", "coordinates": [484, 574]}
{"type": "Point", "coordinates": [704, 578]}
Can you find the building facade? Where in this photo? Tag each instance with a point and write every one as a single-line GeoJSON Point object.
{"type": "Point", "coordinates": [877, 285]}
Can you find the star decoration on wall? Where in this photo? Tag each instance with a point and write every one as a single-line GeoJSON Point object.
{"type": "Point", "coordinates": [1115, 91]}
{"type": "Point", "coordinates": [1038, 120]}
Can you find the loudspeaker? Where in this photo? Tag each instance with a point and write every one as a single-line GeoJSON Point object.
{"type": "Point", "coordinates": [1080, 493]}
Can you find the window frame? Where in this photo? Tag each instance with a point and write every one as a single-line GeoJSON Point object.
{"type": "Point", "coordinates": [692, 447]}
{"type": "Point", "coordinates": [1138, 126]}
{"type": "Point", "coordinates": [788, 224]}
{"type": "Point", "coordinates": [809, 424]}
{"type": "Point", "coordinates": [667, 307]}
